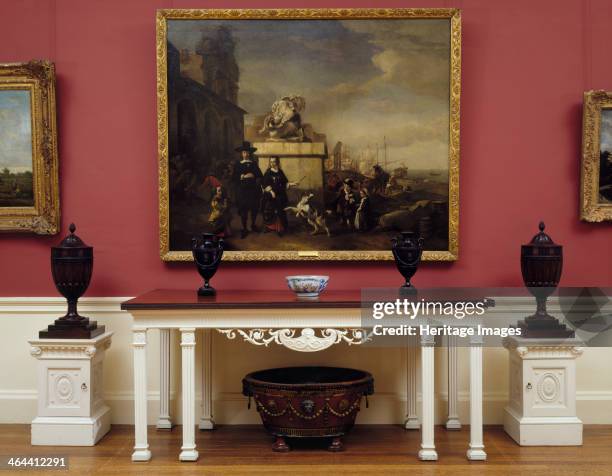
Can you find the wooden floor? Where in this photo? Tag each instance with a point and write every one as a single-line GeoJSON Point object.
{"type": "Point", "coordinates": [369, 450]}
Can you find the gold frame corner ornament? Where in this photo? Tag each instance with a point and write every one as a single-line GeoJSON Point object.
{"type": "Point", "coordinates": [452, 14]}
{"type": "Point", "coordinates": [37, 77]}
{"type": "Point", "coordinates": [591, 209]}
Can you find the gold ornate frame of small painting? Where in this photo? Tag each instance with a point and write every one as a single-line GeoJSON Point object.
{"type": "Point", "coordinates": [29, 189]}
{"type": "Point", "coordinates": [398, 150]}
{"type": "Point", "coordinates": [596, 176]}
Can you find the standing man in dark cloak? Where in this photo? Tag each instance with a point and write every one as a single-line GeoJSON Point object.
{"type": "Point", "coordinates": [274, 200]}
{"type": "Point", "coordinates": [248, 191]}
{"type": "Point", "coordinates": [347, 203]}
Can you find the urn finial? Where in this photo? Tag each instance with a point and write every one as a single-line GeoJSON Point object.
{"type": "Point", "coordinates": [541, 238]}
{"type": "Point", "coordinates": [71, 240]}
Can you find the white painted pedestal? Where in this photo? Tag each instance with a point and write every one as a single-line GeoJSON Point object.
{"type": "Point", "coordinates": [71, 409]}
{"type": "Point", "coordinates": [542, 408]}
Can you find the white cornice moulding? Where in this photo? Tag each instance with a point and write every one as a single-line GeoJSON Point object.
{"type": "Point", "coordinates": [522, 306]}
{"type": "Point", "coordinates": [53, 305]}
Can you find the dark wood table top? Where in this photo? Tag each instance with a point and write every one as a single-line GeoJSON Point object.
{"type": "Point", "coordinates": [188, 299]}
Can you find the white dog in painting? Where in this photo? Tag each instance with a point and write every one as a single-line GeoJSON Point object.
{"type": "Point", "coordinates": [305, 209]}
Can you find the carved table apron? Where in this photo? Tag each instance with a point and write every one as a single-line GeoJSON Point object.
{"type": "Point", "coordinates": [277, 318]}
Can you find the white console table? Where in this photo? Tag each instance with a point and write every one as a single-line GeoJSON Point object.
{"type": "Point", "coordinates": [264, 318]}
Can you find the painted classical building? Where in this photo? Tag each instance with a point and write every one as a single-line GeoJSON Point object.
{"type": "Point", "coordinates": [205, 122]}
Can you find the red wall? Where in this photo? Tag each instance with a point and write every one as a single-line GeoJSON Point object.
{"type": "Point", "coordinates": [525, 66]}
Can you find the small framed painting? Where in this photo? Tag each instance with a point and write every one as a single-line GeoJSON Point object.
{"type": "Point", "coordinates": [596, 177]}
{"type": "Point", "coordinates": [309, 134]}
{"type": "Point", "coordinates": [29, 190]}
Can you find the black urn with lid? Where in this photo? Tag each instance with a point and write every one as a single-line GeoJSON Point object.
{"type": "Point", "coordinates": [541, 266]}
{"type": "Point", "coordinates": [207, 249]}
{"type": "Point", "coordinates": [71, 267]}
{"type": "Point", "coordinates": [407, 249]}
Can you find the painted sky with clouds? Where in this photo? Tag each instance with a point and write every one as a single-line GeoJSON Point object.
{"type": "Point", "coordinates": [15, 130]}
{"type": "Point", "coordinates": [361, 79]}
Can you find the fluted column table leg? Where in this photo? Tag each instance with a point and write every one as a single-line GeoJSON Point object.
{"type": "Point", "coordinates": [452, 421]}
{"type": "Point", "coordinates": [141, 444]}
{"type": "Point", "coordinates": [206, 420]}
{"type": "Point", "coordinates": [411, 421]}
{"type": "Point", "coordinates": [476, 449]}
{"type": "Point", "coordinates": [163, 420]}
{"type": "Point", "coordinates": [428, 448]}
{"type": "Point", "coordinates": [188, 343]}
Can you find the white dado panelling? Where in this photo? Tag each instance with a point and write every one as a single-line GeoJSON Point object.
{"type": "Point", "coordinates": [22, 318]}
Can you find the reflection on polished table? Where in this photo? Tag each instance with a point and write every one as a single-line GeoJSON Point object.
{"type": "Point", "coordinates": [265, 317]}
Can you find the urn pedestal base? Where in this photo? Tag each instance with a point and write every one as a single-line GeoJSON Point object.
{"type": "Point", "coordinates": [544, 326]}
{"type": "Point", "coordinates": [407, 291]}
{"type": "Point", "coordinates": [542, 407]}
{"type": "Point", "coordinates": [66, 329]}
{"type": "Point", "coordinates": [71, 408]}
{"type": "Point", "coordinates": [207, 291]}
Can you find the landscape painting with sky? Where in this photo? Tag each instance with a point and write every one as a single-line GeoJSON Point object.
{"type": "Point", "coordinates": [346, 121]}
{"type": "Point", "coordinates": [16, 179]}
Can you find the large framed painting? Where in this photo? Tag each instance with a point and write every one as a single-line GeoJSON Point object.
{"type": "Point", "coordinates": [596, 181]}
{"type": "Point", "coordinates": [29, 190]}
{"type": "Point", "coordinates": [309, 134]}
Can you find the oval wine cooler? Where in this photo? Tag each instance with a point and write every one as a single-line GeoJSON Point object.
{"type": "Point", "coordinates": [303, 402]}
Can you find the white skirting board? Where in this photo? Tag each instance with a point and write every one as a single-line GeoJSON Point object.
{"type": "Point", "coordinates": [231, 408]}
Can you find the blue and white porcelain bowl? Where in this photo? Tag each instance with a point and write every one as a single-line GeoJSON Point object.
{"type": "Point", "coordinates": [307, 287]}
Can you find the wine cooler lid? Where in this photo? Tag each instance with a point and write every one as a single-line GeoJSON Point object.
{"type": "Point", "coordinates": [72, 240]}
{"type": "Point", "coordinates": [541, 238]}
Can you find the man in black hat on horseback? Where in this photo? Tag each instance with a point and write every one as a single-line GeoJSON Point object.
{"type": "Point", "coordinates": [246, 175]}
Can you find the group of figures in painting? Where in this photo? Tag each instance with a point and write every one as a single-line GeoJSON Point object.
{"type": "Point", "coordinates": [256, 194]}
{"type": "Point", "coordinates": [253, 196]}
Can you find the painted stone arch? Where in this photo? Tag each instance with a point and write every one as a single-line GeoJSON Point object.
{"type": "Point", "coordinates": [228, 135]}
{"type": "Point", "coordinates": [187, 127]}
{"type": "Point", "coordinates": [211, 134]}
{"type": "Point", "coordinates": [221, 85]}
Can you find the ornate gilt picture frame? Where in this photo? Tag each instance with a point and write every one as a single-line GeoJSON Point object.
{"type": "Point", "coordinates": [596, 177]}
{"type": "Point", "coordinates": [29, 189]}
{"type": "Point", "coordinates": [222, 105]}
